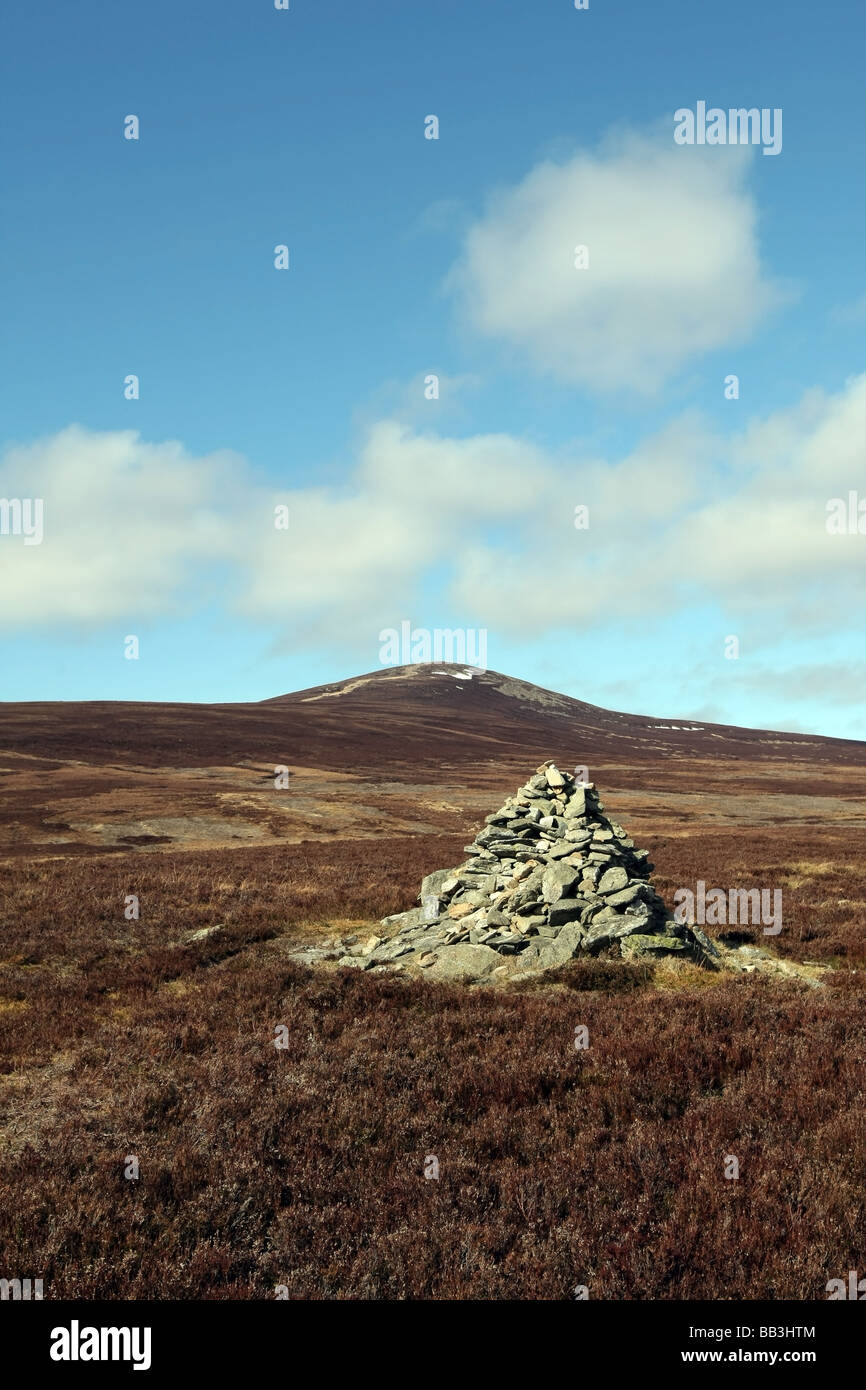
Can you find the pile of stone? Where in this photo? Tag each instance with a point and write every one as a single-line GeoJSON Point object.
{"type": "Point", "coordinates": [548, 878]}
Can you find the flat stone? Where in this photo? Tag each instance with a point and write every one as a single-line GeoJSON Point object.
{"type": "Point", "coordinates": [458, 910]}
{"type": "Point", "coordinates": [631, 893]}
{"type": "Point", "coordinates": [532, 907]}
{"type": "Point", "coordinates": [464, 962]}
{"type": "Point", "coordinates": [601, 934]}
{"type": "Point", "coordinates": [565, 910]}
{"type": "Point", "coordinates": [641, 945]}
{"type": "Point", "coordinates": [309, 955]}
{"type": "Point", "coordinates": [413, 918]}
{"type": "Point", "coordinates": [613, 881]}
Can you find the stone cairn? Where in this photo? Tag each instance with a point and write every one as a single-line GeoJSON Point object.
{"type": "Point", "coordinates": [548, 878]}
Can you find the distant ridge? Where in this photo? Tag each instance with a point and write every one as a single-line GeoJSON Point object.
{"type": "Point", "coordinates": [392, 722]}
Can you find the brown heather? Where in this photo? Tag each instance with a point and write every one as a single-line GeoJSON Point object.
{"type": "Point", "coordinates": [304, 1167]}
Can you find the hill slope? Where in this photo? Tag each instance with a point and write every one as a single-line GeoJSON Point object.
{"type": "Point", "coordinates": [419, 716]}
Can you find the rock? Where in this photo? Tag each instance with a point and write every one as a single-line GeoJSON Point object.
{"type": "Point", "coordinates": [431, 886]}
{"type": "Point", "coordinates": [555, 777]}
{"type": "Point", "coordinates": [631, 893]}
{"type": "Point", "coordinates": [641, 945]}
{"type": "Point", "coordinates": [495, 918]}
{"type": "Point", "coordinates": [310, 955]}
{"type": "Point", "coordinates": [558, 880]}
{"type": "Point", "coordinates": [601, 934]}
{"type": "Point", "coordinates": [458, 910]}
{"type": "Point", "coordinates": [561, 849]}
{"type": "Point", "coordinates": [565, 910]}
{"type": "Point", "coordinates": [468, 897]}
{"type": "Point", "coordinates": [613, 881]}
{"type": "Point", "coordinates": [562, 948]}
{"type": "Point", "coordinates": [413, 918]}
{"type": "Point", "coordinates": [707, 946]}
{"type": "Point", "coordinates": [201, 935]}
{"type": "Point", "coordinates": [370, 945]}
{"type": "Point", "coordinates": [464, 962]}
{"type": "Point", "coordinates": [356, 962]}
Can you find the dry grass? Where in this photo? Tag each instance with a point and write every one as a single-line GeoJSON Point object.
{"type": "Point", "coordinates": [305, 1166]}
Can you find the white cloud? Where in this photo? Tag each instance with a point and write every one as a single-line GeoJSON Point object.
{"type": "Point", "coordinates": [674, 269]}
{"type": "Point", "coordinates": [480, 527]}
{"type": "Point", "coordinates": [126, 524]}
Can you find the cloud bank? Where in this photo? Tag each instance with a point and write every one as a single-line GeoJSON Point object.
{"type": "Point", "coordinates": [482, 527]}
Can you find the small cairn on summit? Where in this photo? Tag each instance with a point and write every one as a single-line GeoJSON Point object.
{"type": "Point", "coordinates": [548, 878]}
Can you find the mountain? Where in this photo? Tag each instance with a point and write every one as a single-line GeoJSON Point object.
{"type": "Point", "coordinates": [393, 722]}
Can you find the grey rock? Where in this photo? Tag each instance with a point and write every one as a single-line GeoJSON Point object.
{"type": "Point", "coordinates": [432, 884]}
{"type": "Point", "coordinates": [535, 924]}
{"type": "Point", "coordinates": [558, 880]}
{"type": "Point", "coordinates": [601, 934]}
{"type": "Point", "coordinates": [413, 918]}
{"type": "Point", "coordinates": [707, 946]}
{"type": "Point", "coordinates": [529, 907]}
{"type": "Point", "coordinates": [631, 893]}
{"type": "Point", "coordinates": [640, 945]}
{"type": "Point", "coordinates": [495, 918]}
{"type": "Point", "coordinates": [613, 881]}
{"type": "Point", "coordinates": [565, 910]}
{"type": "Point", "coordinates": [561, 849]}
{"type": "Point", "coordinates": [563, 948]}
{"type": "Point", "coordinates": [577, 804]}
{"type": "Point", "coordinates": [464, 962]}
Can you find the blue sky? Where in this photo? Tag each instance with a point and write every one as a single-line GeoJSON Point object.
{"type": "Point", "coordinates": [410, 256]}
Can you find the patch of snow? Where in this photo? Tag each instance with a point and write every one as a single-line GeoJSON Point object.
{"type": "Point", "coordinates": [680, 728]}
